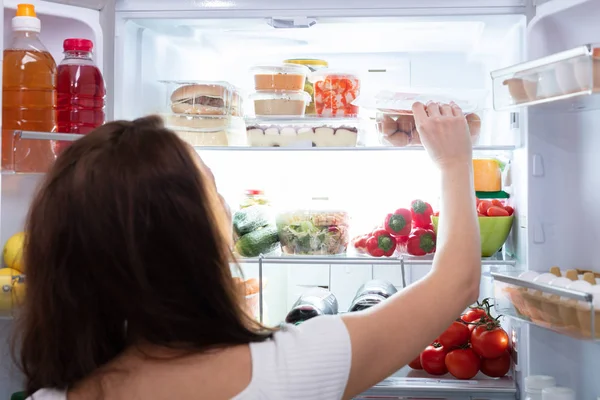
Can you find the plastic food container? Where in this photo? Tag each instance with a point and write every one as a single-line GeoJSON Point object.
{"type": "Point", "coordinates": [335, 92]}
{"type": "Point", "coordinates": [302, 133]}
{"type": "Point", "coordinates": [399, 129]}
{"type": "Point", "coordinates": [487, 174]}
{"type": "Point", "coordinates": [318, 229]}
{"type": "Point", "coordinates": [280, 77]}
{"type": "Point", "coordinates": [205, 98]}
{"type": "Point", "coordinates": [254, 197]}
{"type": "Point", "coordinates": [208, 131]}
{"type": "Point", "coordinates": [284, 102]}
{"type": "Point", "coordinates": [313, 65]}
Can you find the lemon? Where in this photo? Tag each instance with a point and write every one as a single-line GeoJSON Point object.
{"type": "Point", "coordinates": [9, 272]}
{"type": "Point", "coordinates": [13, 252]}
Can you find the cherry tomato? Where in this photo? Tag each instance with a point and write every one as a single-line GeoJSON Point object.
{"type": "Point", "coordinates": [456, 335]}
{"type": "Point", "coordinates": [432, 359]}
{"type": "Point", "coordinates": [497, 203]}
{"type": "Point", "coordinates": [510, 210]}
{"type": "Point", "coordinates": [416, 363]}
{"type": "Point", "coordinates": [496, 367]}
{"type": "Point", "coordinates": [489, 342]}
{"type": "Point", "coordinates": [497, 212]}
{"type": "Point", "coordinates": [483, 206]}
{"type": "Point", "coordinates": [474, 315]}
{"type": "Point", "coordinates": [463, 363]}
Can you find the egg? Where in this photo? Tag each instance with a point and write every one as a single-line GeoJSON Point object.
{"type": "Point", "coordinates": [558, 282]}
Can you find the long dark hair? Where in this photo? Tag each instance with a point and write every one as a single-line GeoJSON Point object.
{"type": "Point", "coordinates": [127, 241]}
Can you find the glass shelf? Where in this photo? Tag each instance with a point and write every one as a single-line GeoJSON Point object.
{"type": "Point", "coordinates": [418, 384]}
{"type": "Point", "coordinates": [556, 78]}
{"type": "Point", "coordinates": [568, 312]}
{"type": "Point", "coordinates": [358, 148]}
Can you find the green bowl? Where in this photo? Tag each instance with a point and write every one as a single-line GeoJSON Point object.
{"type": "Point", "coordinates": [492, 230]}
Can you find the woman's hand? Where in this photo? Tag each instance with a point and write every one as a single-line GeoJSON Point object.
{"type": "Point", "coordinates": [444, 132]}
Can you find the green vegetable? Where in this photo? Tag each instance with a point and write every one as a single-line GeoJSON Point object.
{"type": "Point", "coordinates": [255, 243]}
{"type": "Point", "coordinates": [250, 219]}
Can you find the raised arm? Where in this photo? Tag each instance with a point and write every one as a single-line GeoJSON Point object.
{"type": "Point", "coordinates": [387, 337]}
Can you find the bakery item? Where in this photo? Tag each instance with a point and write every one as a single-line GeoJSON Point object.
{"type": "Point", "coordinates": [301, 136]}
{"type": "Point", "coordinates": [201, 99]}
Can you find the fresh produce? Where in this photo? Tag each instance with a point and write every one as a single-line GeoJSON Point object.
{"type": "Point", "coordinates": [458, 334]}
{"type": "Point", "coordinates": [496, 367]}
{"type": "Point", "coordinates": [465, 351]}
{"type": "Point", "coordinates": [250, 219]}
{"type": "Point", "coordinates": [13, 252]}
{"type": "Point", "coordinates": [463, 363]}
{"type": "Point", "coordinates": [421, 213]}
{"type": "Point", "coordinates": [420, 242]}
{"type": "Point", "coordinates": [381, 244]}
{"type": "Point", "coordinates": [261, 241]}
{"type": "Point", "coordinates": [433, 359]}
{"type": "Point", "coordinates": [493, 208]}
{"type": "Point", "coordinates": [416, 363]}
{"type": "Point", "coordinates": [314, 233]}
{"type": "Point", "coordinates": [399, 223]}
{"type": "Point", "coordinates": [360, 243]}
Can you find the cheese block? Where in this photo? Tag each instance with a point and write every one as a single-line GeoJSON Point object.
{"type": "Point", "coordinates": [487, 175]}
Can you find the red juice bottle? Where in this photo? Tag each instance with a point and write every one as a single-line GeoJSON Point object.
{"type": "Point", "coordinates": [81, 91]}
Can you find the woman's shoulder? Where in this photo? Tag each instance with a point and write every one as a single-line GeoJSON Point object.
{"type": "Point", "coordinates": [48, 394]}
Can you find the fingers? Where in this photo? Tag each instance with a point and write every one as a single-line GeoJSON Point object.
{"type": "Point", "coordinates": [433, 109]}
{"type": "Point", "coordinates": [446, 110]}
{"type": "Point", "coordinates": [419, 112]}
{"type": "Point", "coordinates": [456, 110]}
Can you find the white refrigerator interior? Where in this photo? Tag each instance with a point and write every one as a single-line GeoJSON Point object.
{"type": "Point", "coordinates": [445, 44]}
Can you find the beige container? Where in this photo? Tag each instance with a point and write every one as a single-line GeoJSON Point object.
{"type": "Point", "coordinates": [283, 103]}
{"type": "Point", "coordinates": [280, 77]}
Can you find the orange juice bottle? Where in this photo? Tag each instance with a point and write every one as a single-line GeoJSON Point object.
{"type": "Point", "coordinates": [28, 95]}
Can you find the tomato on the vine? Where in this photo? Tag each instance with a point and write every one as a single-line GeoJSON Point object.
{"type": "Point", "coordinates": [416, 363]}
{"type": "Point", "coordinates": [489, 340]}
{"type": "Point", "coordinates": [472, 316]}
{"type": "Point", "coordinates": [496, 367]}
{"type": "Point", "coordinates": [463, 363]}
{"type": "Point", "coordinates": [432, 359]}
{"type": "Point", "coordinates": [456, 335]}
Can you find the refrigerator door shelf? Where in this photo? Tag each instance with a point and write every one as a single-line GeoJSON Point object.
{"type": "Point", "coordinates": [569, 312]}
{"type": "Point", "coordinates": [555, 80]}
{"type": "Point", "coordinates": [408, 383]}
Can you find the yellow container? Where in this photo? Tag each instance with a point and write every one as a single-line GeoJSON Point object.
{"type": "Point", "coordinates": [487, 175]}
{"type": "Point", "coordinates": [313, 65]}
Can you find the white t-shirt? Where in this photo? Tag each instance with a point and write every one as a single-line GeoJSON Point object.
{"type": "Point", "coordinates": [309, 361]}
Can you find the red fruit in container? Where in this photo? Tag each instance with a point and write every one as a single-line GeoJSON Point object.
{"type": "Point", "coordinates": [483, 206]}
{"type": "Point", "coordinates": [510, 210]}
{"type": "Point", "coordinates": [398, 223]}
{"type": "Point", "coordinates": [433, 359]}
{"type": "Point", "coordinates": [420, 242]}
{"type": "Point", "coordinates": [497, 212]}
{"type": "Point", "coordinates": [421, 213]}
{"type": "Point", "coordinates": [381, 244]}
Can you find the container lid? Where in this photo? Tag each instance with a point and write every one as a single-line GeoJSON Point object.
{"type": "Point", "coordinates": [401, 102]}
{"type": "Point", "coordinates": [76, 44]}
{"type": "Point", "coordinates": [286, 68]}
{"type": "Point", "coordinates": [26, 19]}
{"type": "Point", "coordinates": [558, 393]}
{"type": "Point", "coordinates": [326, 73]}
{"type": "Point", "coordinates": [281, 95]}
{"type": "Point", "coordinates": [307, 61]}
{"type": "Point", "coordinates": [320, 212]}
{"type": "Point", "coordinates": [539, 382]}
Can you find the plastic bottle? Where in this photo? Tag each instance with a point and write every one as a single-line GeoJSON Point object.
{"type": "Point", "coordinates": [535, 384]}
{"type": "Point", "coordinates": [81, 90]}
{"type": "Point", "coordinates": [28, 95]}
{"type": "Point", "coordinates": [558, 393]}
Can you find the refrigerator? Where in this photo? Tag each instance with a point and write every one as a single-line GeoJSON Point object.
{"type": "Point", "coordinates": [549, 142]}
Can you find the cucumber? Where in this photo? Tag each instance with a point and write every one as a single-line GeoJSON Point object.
{"type": "Point", "coordinates": [261, 241]}
{"type": "Point", "coordinates": [250, 219]}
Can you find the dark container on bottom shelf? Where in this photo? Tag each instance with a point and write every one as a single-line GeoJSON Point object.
{"type": "Point", "coordinates": [372, 293]}
{"type": "Point", "coordinates": [312, 303]}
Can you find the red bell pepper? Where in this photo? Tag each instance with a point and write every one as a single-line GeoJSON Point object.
{"type": "Point", "coordinates": [399, 223]}
{"type": "Point", "coordinates": [421, 213]}
{"type": "Point", "coordinates": [420, 242]}
{"type": "Point", "coordinates": [401, 242]}
{"type": "Point", "coordinates": [360, 243]}
{"type": "Point", "coordinates": [381, 244]}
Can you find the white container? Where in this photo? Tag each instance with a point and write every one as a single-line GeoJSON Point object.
{"type": "Point", "coordinates": [535, 384]}
{"type": "Point", "coordinates": [558, 393]}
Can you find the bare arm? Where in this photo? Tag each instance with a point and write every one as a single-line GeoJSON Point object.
{"type": "Point", "coordinates": [388, 336]}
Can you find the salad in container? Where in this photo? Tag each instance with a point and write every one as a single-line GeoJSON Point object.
{"type": "Point", "coordinates": [319, 229]}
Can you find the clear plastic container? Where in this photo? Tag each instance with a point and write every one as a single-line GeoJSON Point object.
{"type": "Point", "coordinates": [535, 384]}
{"type": "Point", "coordinates": [207, 130]}
{"type": "Point", "coordinates": [205, 98]}
{"type": "Point", "coordinates": [28, 95]}
{"type": "Point", "coordinates": [319, 229]}
{"type": "Point", "coordinates": [283, 102]}
{"type": "Point", "coordinates": [280, 77]}
{"type": "Point", "coordinates": [558, 393]}
{"type": "Point", "coordinates": [335, 93]}
{"type": "Point", "coordinates": [313, 65]}
{"type": "Point", "coordinates": [303, 132]}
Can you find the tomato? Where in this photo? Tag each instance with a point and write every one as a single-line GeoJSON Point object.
{"type": "Point", "coordinates": [509, 209]}
{"type": "Point", "coordinates": [497, 203]}
{"type": "Point", "coordinates": [497, 212]}
{"type": "Point", "coordinates": [473, 315]}
{"type": "Point", "coordinates": [496, 367]}
{"type": "Point", "coordinates": [463, 363]}
{"type": "Point", "coordinates": [483, 206]}
{"type": "Point", "coordinates": [432, 359]}
{"type": "Point", "coordinates": [489, 341]}
{"type": "Point", "coordinates": [456, 335]}
{"type": "Point", "coordinates": [416, 363]}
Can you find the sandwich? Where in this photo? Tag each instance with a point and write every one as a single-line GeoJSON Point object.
{"type": "Point", "coordinates": [206, 99]}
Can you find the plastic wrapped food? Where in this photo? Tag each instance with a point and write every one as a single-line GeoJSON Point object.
{"type": "Point", "coordinates": [314, 231]}
{"type": "Point", "coordinates": [280, 77]}
{"type": "Point", "coordinates": [313, 65]}
{"type": "Point", "coordinates": [208, 130]}
{"type": "Point", "coordinates": [335, 93]}
{"type": "Point", "coordinates": [284, 102]}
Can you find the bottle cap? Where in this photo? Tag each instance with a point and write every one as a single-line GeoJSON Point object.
{"type": "Point", "coordinates": [25, 19]}
{"type": "Point", "coordinates": [75, 44]}
{"type": "Point", "coordinates": [539, 382]}
{"type": "Point", "coordinates": [558, 393]}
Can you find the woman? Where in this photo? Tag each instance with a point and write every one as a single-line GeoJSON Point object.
{"type": "Point", "coordinates": [130, 294]}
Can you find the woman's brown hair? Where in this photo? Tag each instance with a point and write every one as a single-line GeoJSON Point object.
{"type": "Point", "coordinates": [127, 242]}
